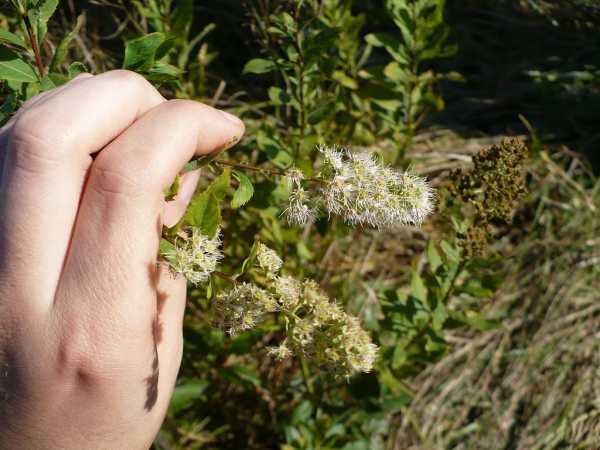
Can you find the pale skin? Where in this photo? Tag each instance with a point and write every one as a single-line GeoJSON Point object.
{"type": "Point", "coordinates": [90, 323]}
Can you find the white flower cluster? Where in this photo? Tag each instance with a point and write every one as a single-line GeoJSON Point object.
{"type": "Point", "coordinates": [242, 307]}
{"type": "Point", "coordinates": [361, 189]}
{"type": "Point", "coordinates": [268, 259]}
{"type": "Point", "coordinates": [298, 212]}
{"type": "Point", "coordinates": [317, 328]}
{"type": "Point", "coordinates": [194, 255]}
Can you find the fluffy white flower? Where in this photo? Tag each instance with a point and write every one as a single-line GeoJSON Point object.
{"type": "Point", "coordinates": [242, 307]}
{"type": "Point", "coordinates": [364, 191]}
{"type": "Point", "coordinates": [298, 212]}
{"type": "Point", "coordinates": [195, 255]}
{"type": "Point", "coordinates": [268, 259]}
{"type": "Point", "coordinates": [294, 177]}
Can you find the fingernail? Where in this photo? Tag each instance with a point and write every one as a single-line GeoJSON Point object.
{"type": "Point", "coordinates": [230, 143]}
{"type": "Point", "coordinates": [233, 119]}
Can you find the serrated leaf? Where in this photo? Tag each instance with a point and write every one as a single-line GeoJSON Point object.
{"type": "Point", "coordinates": [140, 53]}
{"type": "Point", "coordinates": [258, 66]}
{"type": "Point", "coordinates": [13, 68]}
{"type": "Point", "coordinates": [11, 38]}
{"type": "Point", "coordinates": [244, 191]}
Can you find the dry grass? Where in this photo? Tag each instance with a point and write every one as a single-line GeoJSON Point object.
{"type": "Point", "coordinates": [533, 383]}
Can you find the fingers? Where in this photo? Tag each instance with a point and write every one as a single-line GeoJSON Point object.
{"type": "Point", "coordinates": [116, 237]}
{"type": "Point", "coordinates": [47, 156]}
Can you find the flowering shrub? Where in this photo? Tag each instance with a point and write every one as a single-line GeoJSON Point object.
{"type": "Point", "coordinates": [292, 339]}
{"type": "Point", "coordinates": [358, 187]}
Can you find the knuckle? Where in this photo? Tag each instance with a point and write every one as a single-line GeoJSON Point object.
{"type": "Point", "coordinates": [186, 106]}
{"type": "Point", "coordinates": [33, 142]}
{"type": "Point", "coordinates": [130, 78]}
{"type": "Point", "coordinates": [29, 127]}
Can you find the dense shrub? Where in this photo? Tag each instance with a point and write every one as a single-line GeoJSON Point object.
{"type": "Point", "coordinates": [334, 269]}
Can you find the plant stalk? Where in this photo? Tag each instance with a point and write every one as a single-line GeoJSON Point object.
{"type": "Point", "coordinates": [34, 44]}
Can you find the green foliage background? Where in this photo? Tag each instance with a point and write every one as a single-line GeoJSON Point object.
{"type": "Point", "coordinates": [488, 322]}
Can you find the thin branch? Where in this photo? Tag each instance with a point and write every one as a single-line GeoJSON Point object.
{"type": "Point", "coordinates": [275, 172]}
{"type": "Point", "coordinates": [34, 44]}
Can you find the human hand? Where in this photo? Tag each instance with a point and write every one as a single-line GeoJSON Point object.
{"type": "Point", "coordinates": [90, 325]}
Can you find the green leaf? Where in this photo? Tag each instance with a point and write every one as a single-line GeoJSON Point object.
{"type": "Point", "coordinates": [259, 65]}
{"type": "Point", "coordinates": [302, 413]}
{"type": "Point", "coordinates": [76, 68]}
{"type": "Point", "coordinates": [244, 191]}
{"type": "Point", "coordinates": [140, 53]}
{"type": "Point", "coordinates": [242, 375]}
{"type": "Point", "coordinates": [345, 80]}
{"type": "Point", "coordinates": [162, 73]}
{"type": "Point", "coordinates": [275, 152]}
{"type": "Point", "coordinates": [13, 68]}
{"type": "Point", "coordinates": [221, 186]}
{"type": "Point", "coordinates": [203, 213]}
{"type": "Point", "coordinates": [63, 46]}
{"type": "Point", "coordinates": [452, 253]}
{"type": "Point", "coordinates": [474, 320]}
{"type": "Point", "coordinates": [417, 287]}
{"type": "Point", "coordinates": [165, 247]}
{"type": "Point", "coordinates": [8, 107]}
{"type": "Point", "coordinates": [433, 257]}
{"type": "Point", "coordinates": [39, 17]}
{"type": "Point", "coordinates": [11, 38]}
{"type": "Point", "coordinates": [182, 18]}
{"type": "Point", "coordinates": [211, 218]}
{"type": "Point", "coordinates": [249, 261]}
{"type": "Point", "coordinates": [278, 96]}
{"type": "Point", "coordinates": [173, 190]}
{"type": "Point", "coordinates": [47, 83]}
{"type": "Point", "coordinates": [391, 43]}
{"type": "Point", "coordinates": [185, 394]}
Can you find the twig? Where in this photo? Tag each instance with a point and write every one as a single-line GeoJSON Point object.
{"type": "Point", "coordinates": [274, 172]}
{"type": "Point", "coordinates": [34, 44]}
